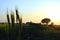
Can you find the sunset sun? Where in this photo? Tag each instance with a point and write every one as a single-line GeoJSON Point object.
{"type": "Point", "coordinates": [54, 13]}
{"type": "Point", "coordinates": [54, 16]}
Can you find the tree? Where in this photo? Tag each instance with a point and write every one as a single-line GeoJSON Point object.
{"type": "Point", "coordinates": [45, 20]}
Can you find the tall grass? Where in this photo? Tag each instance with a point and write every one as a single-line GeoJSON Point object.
{"type": "Point", "coordinates": [12, 23]}
{"type": "Point", "coordinates": [8, 26]}
{"type": "Point", "coordinates": [20, 24]}
{"type": "Point", "coordinates": [11, 27]}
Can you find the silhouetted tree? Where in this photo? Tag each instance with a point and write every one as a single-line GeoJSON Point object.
{"type": "Point", "coordinates": [45, 20]}
{"type": "Point", "coordinates": [52, 23]}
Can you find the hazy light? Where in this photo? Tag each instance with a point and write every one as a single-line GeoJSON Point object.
{"type": "Point", "coordinates": [54, 13]}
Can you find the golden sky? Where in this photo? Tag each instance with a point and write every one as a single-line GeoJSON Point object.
{"type": "Point", "coordinates": [32, 10]}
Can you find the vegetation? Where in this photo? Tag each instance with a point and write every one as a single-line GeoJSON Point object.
{"type": "Point", "coordinates": [28, 31]}
{"type": "Point", "coordinates": [46, 20]}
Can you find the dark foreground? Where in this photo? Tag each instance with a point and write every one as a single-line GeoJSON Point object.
{"type": "Point", "coordinates": [31, 32]}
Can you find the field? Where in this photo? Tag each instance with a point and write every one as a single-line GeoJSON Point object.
{"type": "Point", "coordinates": [30, 31]}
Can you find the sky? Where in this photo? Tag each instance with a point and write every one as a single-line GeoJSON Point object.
{"type": "Point", "coordinates": [32, 10]}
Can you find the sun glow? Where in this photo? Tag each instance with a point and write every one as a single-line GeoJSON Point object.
{"type": "Point", "coordinates": [54, 16]}
{"type": "Point", "coordinates": [54, 13]}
